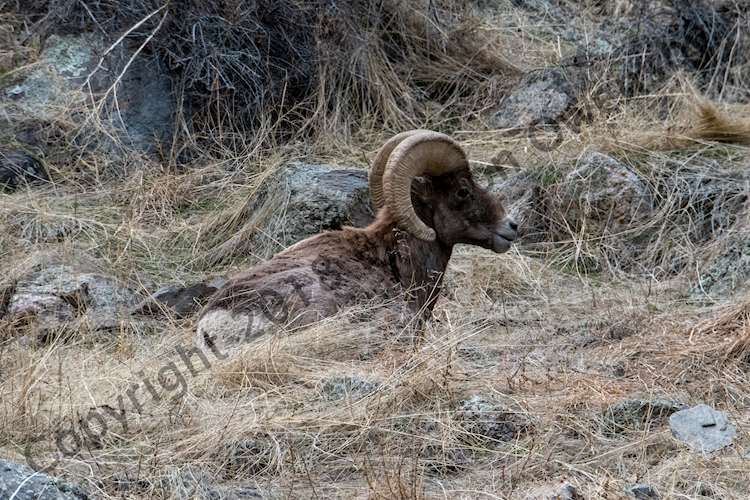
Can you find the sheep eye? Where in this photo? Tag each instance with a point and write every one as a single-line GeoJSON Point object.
{"type": "Point", "coordinates": [462, 193]}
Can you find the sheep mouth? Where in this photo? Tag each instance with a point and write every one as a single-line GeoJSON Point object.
{"type": "Point", "coordinates": [501, 241]}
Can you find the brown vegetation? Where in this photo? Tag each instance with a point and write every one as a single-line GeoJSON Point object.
{"type": "Point", "coordinates": [541, 342]}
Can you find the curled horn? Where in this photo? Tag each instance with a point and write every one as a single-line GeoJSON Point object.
{"type": "Point", "coordinates": [375, 178]}
{"type": "Point", "coordinates": [421, 152]}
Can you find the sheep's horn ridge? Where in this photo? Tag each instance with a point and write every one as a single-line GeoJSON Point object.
{"type": "Point", "coordinates": [423, 152]}
{"type": "Point", "coordinates": [375, 178]}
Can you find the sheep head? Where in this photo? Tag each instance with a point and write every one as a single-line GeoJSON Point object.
{"type": "Point", "coordinates": [423, 178]}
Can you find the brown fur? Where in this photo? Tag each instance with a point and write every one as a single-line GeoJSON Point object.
{"type": "Point", "coordinates": [329, 271]}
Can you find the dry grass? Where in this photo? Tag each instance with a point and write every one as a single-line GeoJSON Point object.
{"type": "Point", "coordinates": [551, 334]}
{"type": "Point", "coordinates": [271, 416]}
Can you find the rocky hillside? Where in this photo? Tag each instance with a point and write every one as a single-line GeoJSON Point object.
{"type": "Point", "coordinates": [149, 150]}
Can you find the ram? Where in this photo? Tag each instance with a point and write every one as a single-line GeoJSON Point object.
{"type": "Point", "coordinates": [427, 202]}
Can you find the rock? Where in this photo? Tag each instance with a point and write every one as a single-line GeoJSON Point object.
{"type": "Point", "coordinates": [181, 300]}
{"type": "Point", "coordinates": [688, 37]}
{"type": "Point", "coordinates": [726, 271]}
{"type": "Point", "coordinates": [540, 98]}
{"type": "Point", "coordinates": [19, 482]}
{"type": "Point", "coordinates": [561, 491]}
{"type": "Point", "coordinates": [638, 414]}
{"type": "Point", "coordinates": [602, 194]}
{"type": "Point", "coordinates": [634, 46]}
{"type": "Point", "coordinates": [300, 201]}
{"type": "Point", "coordinates": [62, 67]}
{"type": "Point", "coordinates": [145, 104]}
{"type": "Point", "coordinates": [702, 428]}
{"type": "Point", "coordinates": [349, 387]}
{"type": "Point", "coordinates": [53, 296]}
{"type": "Point", "coordinates": [568, 492]}
{"type": "Point", "coordinates": [625, 42]}
{"type": "Point", "coordinates": [18, 168]}
{"type": "Point", "coordinates": [485, 421]}
{"type": "Point", "coordinates": [643, 492]}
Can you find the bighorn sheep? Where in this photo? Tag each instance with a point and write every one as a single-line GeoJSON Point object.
{"type": "Point", "coordinates": [428, 202]}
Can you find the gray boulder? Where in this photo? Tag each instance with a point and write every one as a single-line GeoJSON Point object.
{"type": "Point", "coordinates": [19, 482]}
{"type": "Point", "coordinates": [62, 68]}
{"type": "Point", "coordinates": [299, 201]}
{"type": "Point", "coordinates": [561, 491]}
{"type": "Point", "coordinates": [727, 269]}
{"type": "Point", "coordinates": [52, 296]}
{"type": "Point", "coordinates": [702, 428]}
{"type": "Point", "coordinates": [567, 492]}
{"type": "Point", "coordinates": [540, 98]}
{"type": "Point", "coordinates": [18, 168]}
{"type": "Point", "coordinates": [146, 103]}
{"type": "Point", "coordinates": [603, 194]}
{"type": "Point", "coordinates": [485, 421]}
{"type": "Point", "coordinates": [635, 45]}
{"type": "Point", "coordinates": [72, 66]}
{"type": "Point", "coordinates": [643, 492]}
